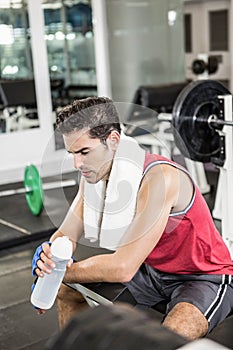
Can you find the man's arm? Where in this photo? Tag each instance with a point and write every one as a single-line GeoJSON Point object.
{"type": "Point", "coordinates": [157, 196]}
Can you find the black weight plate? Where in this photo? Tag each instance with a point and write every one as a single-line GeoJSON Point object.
{"type": "Point", "coordinates": [198, 66]}
{"type": "Point", "coordinates": [212, 64]}
{"type": "Point", "coordinates": [192, 134]}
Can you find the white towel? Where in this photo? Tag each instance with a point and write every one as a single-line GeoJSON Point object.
{"type": "Point", "coordinates": [109, 212]}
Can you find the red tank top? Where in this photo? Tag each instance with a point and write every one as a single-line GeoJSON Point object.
{"type": "Point", "coordinates": [190, 243]}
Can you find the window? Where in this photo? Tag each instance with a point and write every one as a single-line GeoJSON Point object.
{"type": "Point", "coordinates": [218, 29]}
{"type": "Point", "coordinates": [188, 32]}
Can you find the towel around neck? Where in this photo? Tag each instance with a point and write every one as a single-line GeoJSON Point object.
{"type": "Point", "coordinates": [109, 209]}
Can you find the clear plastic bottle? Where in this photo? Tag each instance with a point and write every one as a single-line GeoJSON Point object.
{"type": "Point", "coordinates": [46, 288]}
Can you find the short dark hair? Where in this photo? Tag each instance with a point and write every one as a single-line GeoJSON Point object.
{"type": "Point", "coordinates": [97, 114]}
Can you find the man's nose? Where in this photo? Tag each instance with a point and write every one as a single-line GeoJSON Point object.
{"type": "Point", "coordinates": [77, 161]}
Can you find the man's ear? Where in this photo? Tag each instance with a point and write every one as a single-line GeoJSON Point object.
{"type": "Point", "coordinates": [114, 139]}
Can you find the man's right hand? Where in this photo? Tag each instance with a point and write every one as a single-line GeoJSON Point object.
{"type": "Point", "coordinates": [41, 261]}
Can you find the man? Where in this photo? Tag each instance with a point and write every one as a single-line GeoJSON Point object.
{"type": "Point", "coordinates": [164, 245]}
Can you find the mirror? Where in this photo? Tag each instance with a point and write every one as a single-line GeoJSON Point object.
{"type": "Point", "coordinates": [69, 39]}
{"type": "Point", "coordinates": [71, 53]}
{"type": "Point", "coordinates": [18, 109]}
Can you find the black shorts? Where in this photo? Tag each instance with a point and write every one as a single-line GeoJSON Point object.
{"type": "Point", "coordinates": [211, 294]}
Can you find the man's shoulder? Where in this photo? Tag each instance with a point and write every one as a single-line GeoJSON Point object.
{"type": "Point", "coordinates": [159, 170]}
{"type": "Point", "coordinates": [151, 160]}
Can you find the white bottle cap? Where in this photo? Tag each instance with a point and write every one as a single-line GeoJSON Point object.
{"type": "Point", "coordinates": [61, 248]}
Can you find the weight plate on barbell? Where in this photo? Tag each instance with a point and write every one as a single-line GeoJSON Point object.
{"type": "Point", "coordinates": [198, 66]}
{"type": "Point", "coordinates": [193, 135]}
{"type": "Point", "coordinates": [33, 189]}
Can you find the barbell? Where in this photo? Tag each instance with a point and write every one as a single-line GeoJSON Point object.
{"type": "Point", "coordinates": [34, 189]}
{"type": "Point", "coordinates": [197, 119]}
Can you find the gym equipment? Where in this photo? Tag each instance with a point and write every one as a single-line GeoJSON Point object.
{"type": "Point", "coordinates": [19, 104]}
{"type": "Point", "coordinates": [103, 293]}
{"type": "Point", "coordinates": [199, 66]}
{"type": "Point", "coordinates": [34, 190]}
{"type": "Point", "coordinates": [198, 118]}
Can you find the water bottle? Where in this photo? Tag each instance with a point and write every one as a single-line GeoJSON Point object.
{"type": "Point", "coordinates": [46, 288]}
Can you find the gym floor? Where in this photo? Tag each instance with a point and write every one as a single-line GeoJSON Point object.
{"type": "Point", "coordinates": [21, 326]}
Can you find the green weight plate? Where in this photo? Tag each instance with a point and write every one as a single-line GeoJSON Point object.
{"type": "Point", "coordinates": [193, 135]}
{"type": "Point", "coordinates": [33, 189]}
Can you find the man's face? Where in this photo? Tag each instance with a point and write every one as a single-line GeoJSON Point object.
{"type": "Point", "coordinates": [91, 157]}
